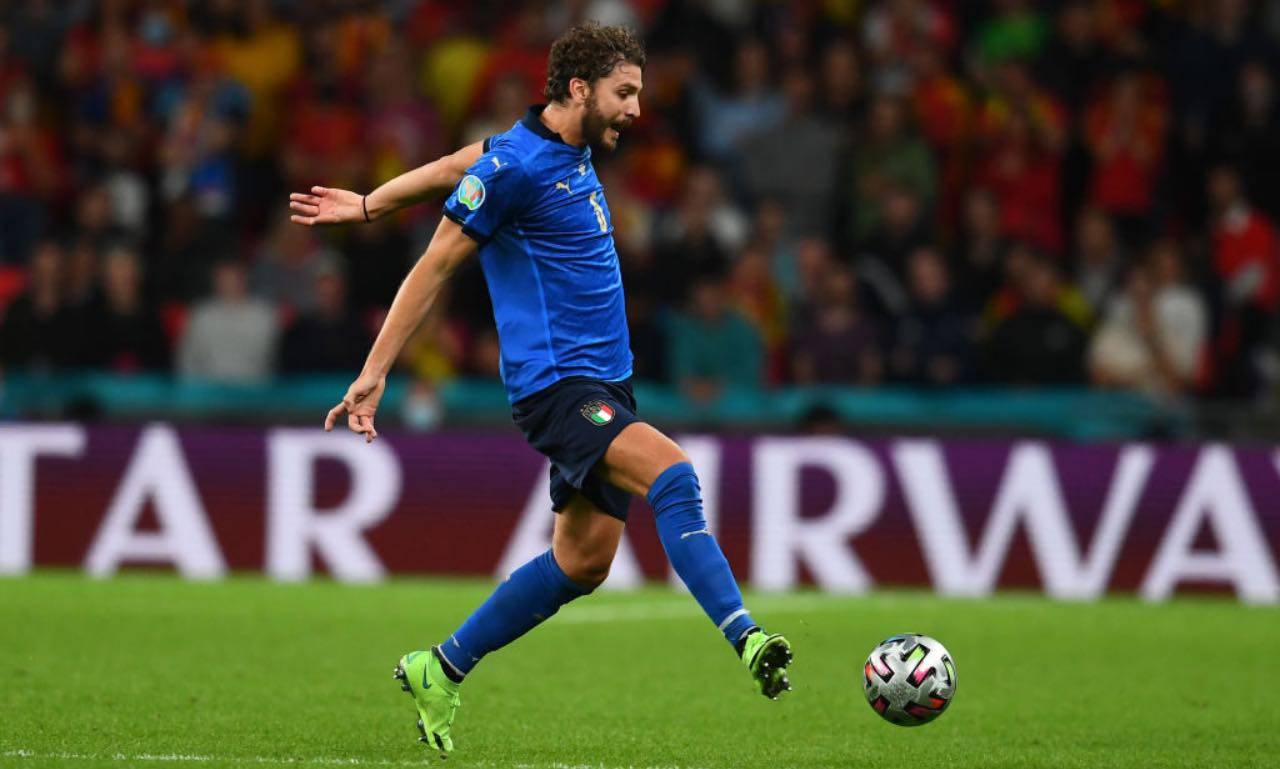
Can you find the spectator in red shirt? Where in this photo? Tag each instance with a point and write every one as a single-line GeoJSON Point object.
{"type": "Point", "coordinates": [1125, 134]}
{"type": "Point", "coordinates": [1024, 175]}
{"type": "Point", "coordinates": [1021, 133]}
{"type": "Point", "coordinates": [1246, 259]}
{"type": "Point", "coordinates": [1244, 245]}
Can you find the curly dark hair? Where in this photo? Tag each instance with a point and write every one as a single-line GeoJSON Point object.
{"type": "Point", "coordinates": [588, 51]}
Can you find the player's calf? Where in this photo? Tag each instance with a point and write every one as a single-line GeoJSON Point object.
{"type": "Point", "coordinates": [676, 499]}
{"type": "Point", "coordinates": [692, 549]}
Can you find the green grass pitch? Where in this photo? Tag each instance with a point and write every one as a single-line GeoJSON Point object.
{"type": "Point", "coordinates": [148, 670]}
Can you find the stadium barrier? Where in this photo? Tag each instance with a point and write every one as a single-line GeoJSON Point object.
{"type": "Point", "coordinates": [1076, 413]}
{"type": "Point", "coordinates": [965, 517]}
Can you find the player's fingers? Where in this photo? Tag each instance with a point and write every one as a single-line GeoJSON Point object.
{"type": "Point", "coordinates": [302, 220]}
{"type": "Point", "coordinates": [366, 424]}
{"type": "Point", "coordinates": [353, 423]}
{"type": "Point", "coordinates": [333, 415]}
{"type": "Point", "coordinates": [321, 191]}
{"type": "Point", "coordinates": [303, 197]}
{"type": "Point", "coordinates": [304, 208]}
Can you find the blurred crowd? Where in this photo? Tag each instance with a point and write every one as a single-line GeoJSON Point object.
{"type": "Point", "coordinates": [918, 192]}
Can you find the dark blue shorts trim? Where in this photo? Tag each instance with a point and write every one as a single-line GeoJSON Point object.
{"type": "Point", "coordinates": [572, 423]}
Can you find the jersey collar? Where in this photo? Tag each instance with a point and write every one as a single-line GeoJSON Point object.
{"type": "Point", "coordinates": [532, 120]}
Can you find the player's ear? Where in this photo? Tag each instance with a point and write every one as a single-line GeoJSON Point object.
{"type": "Point", "coordinates": [579, 90]}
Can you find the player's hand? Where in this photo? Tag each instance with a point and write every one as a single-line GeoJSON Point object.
{"type": "Point", "coordinates": [359, 404]}
{"type": "Point", "coordinates": [325, 205]}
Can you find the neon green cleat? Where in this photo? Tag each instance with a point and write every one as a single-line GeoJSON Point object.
{"type": "Point", "coordinates": [767, 657]}
{"type": "Point", "coordinates": [436, 697]}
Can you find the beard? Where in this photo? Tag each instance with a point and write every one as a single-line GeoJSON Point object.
{"type": "Point", "coordinates": [597, 129]}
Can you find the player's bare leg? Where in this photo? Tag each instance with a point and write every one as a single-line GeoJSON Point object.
{"type": "Point", "coordinates": [641, 460]}
{"type": "Point", "coordinates": [636, 458]}
{"type": "Point", "coordinates": [585, 541]}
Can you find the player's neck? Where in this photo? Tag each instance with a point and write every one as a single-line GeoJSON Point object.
{"type": "Point", "coordinates": [564, 121]}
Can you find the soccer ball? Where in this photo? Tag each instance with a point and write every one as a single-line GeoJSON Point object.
{"type": "Point", "coordinates": [909, 679]}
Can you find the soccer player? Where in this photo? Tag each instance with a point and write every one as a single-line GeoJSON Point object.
{"type": "Point", "coordinates": [530, 202]}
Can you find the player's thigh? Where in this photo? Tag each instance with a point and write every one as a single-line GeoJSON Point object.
{"type": "Point", "coordinates": [637, 456]}
{"type": "Point", "coordinates": [585, 538]}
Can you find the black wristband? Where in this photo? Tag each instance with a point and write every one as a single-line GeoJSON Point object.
{"type": "Point", "coordinates": [364, 207]}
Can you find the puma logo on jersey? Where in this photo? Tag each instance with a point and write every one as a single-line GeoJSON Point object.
{"type": "Point", "coordinates": [565, 187]}
{"type": "Point", "coordinates": [496, 163]}
{"type": "Point", "coordinates": [582, 169]}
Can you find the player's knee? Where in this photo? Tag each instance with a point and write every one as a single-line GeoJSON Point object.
{"type": "Point", "coordinates": [678, 483]}
{"type": "Point", "coordinates": [589, 569]}
{"type": "Point", "coordinates": [673, 458]}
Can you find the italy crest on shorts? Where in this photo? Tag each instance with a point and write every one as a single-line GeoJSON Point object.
{"type": "Point", "coordinates": [598, 413]}
{"type": "Point", "coordinates": [471, 192]}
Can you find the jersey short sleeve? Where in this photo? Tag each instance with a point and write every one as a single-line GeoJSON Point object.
{"type": "Point", "coordinates": [492, 193]}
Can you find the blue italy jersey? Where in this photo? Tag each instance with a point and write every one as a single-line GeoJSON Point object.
{"type": "Point", "coordinates": [536, 208]}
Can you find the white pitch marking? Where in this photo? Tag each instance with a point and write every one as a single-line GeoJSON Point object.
{"type": "Point", "coordinates": [268, 760]}
{"type": "Point", "coordinates": [201, 758]}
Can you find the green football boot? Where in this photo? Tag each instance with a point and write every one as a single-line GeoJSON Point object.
{"type": "Point", "coordinates": [435, 696]}
{"type": "Point", "coordinates": [767, 657]}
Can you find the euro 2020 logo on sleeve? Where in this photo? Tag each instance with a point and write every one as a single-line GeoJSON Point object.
{"type": "Point", "coordinates": [471, 192]}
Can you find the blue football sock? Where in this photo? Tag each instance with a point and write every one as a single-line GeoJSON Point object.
{"type": "Point", "coordinates": [530, 595]}
{"type": "Point", "coordinates": [676, 499]}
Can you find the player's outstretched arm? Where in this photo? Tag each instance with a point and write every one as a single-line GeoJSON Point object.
{"type": "Point", "coordinates": [448, 247]}
{"type": "Point", "coordinates": [329, 205]}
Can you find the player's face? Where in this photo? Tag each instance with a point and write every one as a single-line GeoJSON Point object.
{"type": "Point", "coordinates": [612, 105]}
